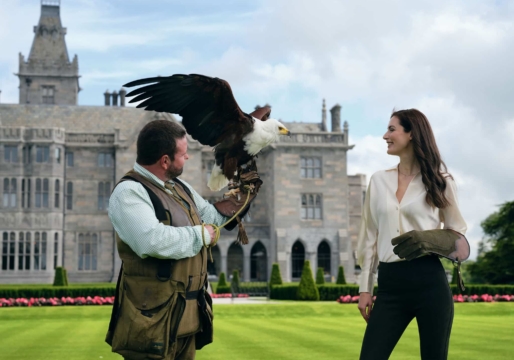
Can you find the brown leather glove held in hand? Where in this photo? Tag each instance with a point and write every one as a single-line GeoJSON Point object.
{"type": "Point", "coordinates": [414, 243]}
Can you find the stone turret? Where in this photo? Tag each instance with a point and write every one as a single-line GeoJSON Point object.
{"type": "Point", "coordinates": [48, 76]}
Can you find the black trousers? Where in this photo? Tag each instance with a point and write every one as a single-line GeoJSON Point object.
{"type": "Point", "coordinates": [406, 290]}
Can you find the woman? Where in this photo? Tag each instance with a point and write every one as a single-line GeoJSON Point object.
{"type": "Point", "coordinates": [402, 233]}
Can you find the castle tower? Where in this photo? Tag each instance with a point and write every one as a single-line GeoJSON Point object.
{"type": "Point", "coordinates": [48, 76]}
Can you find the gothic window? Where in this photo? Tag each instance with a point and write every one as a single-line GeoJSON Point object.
{"type": "Point", "coordinates": [88, 244]}
{"type": "Point", "coordinates": [310, 167]}
{"type": "Point", "coordinates": [42, 154]}
{"type": "Point", "coordinates": [27, 154]}
{"type": "Point", "coordinates": [235, 259]}
{"type": "Point", "coordinates": [57, 191]}
{"type": "Point", "coordinates": [258, 263]}
{"type": "Point", "coordinates": [24, 251]}
{"type": "Point", "coordinates": [48, 94]}
{"type": "Point", "coordinates": [104, 190]}
{"type": "Point", "coordinates": [8, 248]}
{"type": "Point", "coordinates": [324, 257]}
{"type": "Point", "coordinates": [297, 259]}
{"type": "Point", "coordinates": [104, 160]}
{"type": "Point", "coordinates": [311, 207]}
{"type": "Point", "coordinates": [69, 159]}
{"type": "Point", "coordinates": [10, 194]}
{"type": "Point", "coordinates": [56, 249]}
{"type": "Point", "coordinates": [69, 195]}
{"type": "Point", "coordinates": [10, 154]}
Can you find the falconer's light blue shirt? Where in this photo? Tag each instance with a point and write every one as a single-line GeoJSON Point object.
{"type": "Point", "coordinates": [133, 218]}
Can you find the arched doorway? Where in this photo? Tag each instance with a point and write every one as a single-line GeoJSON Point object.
{"type": "Point", "coordinates": [324, 257]}
{"type": "Point", "coordinates": [213, 268]}
{"type": "Point", "coordinates": [259, 263]}
{"type": "Point", "coordinates": [297, 259]}
{"type": "Point", "coordinates": [235, 260]}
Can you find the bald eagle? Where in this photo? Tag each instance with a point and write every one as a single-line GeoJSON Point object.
{"type": "Point", "coordinates": [210, 114]}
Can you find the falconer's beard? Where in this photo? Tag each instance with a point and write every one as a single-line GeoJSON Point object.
{"type": "Point", "coordinates": [173, 172]}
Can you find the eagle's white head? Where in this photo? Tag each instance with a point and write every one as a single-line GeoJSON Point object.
{"type": "Point", "coordinates": [264, 133]}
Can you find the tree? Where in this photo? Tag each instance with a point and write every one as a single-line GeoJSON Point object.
{"type": "Point", "coordinates": [307, 290]}
{"type": "Point", "coordinates": [340, 276]}
{"type": "Point", "coordinates": [276, 278]}
{"type": "Point", "coordinates": [496, 265]}
{"type": "Point", "coordinates": [320, 276]}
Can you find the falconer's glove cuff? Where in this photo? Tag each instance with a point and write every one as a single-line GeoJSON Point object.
{"type": "Point", "coordinates": [235, 199]}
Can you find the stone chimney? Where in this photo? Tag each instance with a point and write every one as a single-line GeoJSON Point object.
{"type": "Point", "coordinates": [107, 96]}
{"type": "Point", "coordinates": [114, 98]}
{"type": "Point", "coordinates": [336, 118]}
{"type": "Point", "coordinates": [323, 117]}
{"type": "Point", "coordinates": [123, 92]}
{"type": "Point", "coordinates": [345, 131]}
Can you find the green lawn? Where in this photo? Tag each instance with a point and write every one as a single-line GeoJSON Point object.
{"type": "Point", "coordinates": [275, 331]}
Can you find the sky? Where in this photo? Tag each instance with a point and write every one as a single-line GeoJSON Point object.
{"type": "Point", "coordinates": [453, 60]}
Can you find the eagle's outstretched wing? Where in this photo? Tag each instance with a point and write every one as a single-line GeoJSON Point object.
{"type": "Point", "coordinates": [208, 108]}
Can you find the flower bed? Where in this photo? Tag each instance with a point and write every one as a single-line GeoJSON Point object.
{"type": "Point", "coordinates": [96, 300]}
{"type": "Point", "coordinates": [225, 296]}
{"type": "Point", "coordinates": [348, 299]}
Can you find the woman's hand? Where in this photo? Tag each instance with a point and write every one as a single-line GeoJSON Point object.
{"type": "Point", "coordinates": [365, 305]}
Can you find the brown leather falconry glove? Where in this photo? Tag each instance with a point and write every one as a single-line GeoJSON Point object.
{"type": "Point", "coordinates": [235, 200]}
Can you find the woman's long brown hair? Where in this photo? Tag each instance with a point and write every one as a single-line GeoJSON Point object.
{"type": "Point", "coordinates": [433, 169]}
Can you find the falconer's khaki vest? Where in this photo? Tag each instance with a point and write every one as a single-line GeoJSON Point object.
{"type": "Point", "coordinates": [160, 300]}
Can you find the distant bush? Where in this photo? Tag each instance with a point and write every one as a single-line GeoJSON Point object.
{"type": "Point", "coordinates": [60, 277]}
{"type": "Point", "coordinates": [307, 290]}
{"type": "Point", "coordinates": [276, 278]}
{"type": "Point", "coordinates": [320, 276]}
{"type": "Point", "coordinates": [222, 281]}
{"type": "Point", "coordinates": [340, 276]}
{"type": "Point", "coordinates": [234, 283]}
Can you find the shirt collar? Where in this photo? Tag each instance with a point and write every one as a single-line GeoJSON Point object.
{"type": "Point", "coordinates": [393, 168]}
{"type": "Point", "coordinates": [141, 170]}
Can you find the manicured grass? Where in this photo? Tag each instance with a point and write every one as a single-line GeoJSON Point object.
{"type": "Point", "coordinates": [287, 330]}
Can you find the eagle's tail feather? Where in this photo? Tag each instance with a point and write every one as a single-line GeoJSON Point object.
{"type": "Point", "coordinates": [217, 181]}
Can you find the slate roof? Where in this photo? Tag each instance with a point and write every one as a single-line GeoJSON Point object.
{"type": "Point", "coordinates": [95, 119]}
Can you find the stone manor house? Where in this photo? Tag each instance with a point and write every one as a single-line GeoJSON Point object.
{"type": "Point", "coordinates": [59, 162]}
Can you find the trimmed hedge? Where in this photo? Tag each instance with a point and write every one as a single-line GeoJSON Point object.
{"type": "Point", "coordinates": [307, 289]}
{"type": "Point", "coordinates": [222, 281]}
{"type": "Point", "coordinates": [223, 289]}
{"type": "Point", "coordinates": [331, 292]}
{"type": "Point", "coordinates": [49, 291]}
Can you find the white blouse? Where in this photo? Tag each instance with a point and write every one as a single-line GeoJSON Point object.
{"type": "Point", "coordinates": [383, 219]}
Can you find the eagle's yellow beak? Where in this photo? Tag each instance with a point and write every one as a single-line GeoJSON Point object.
{"type": "Point", "coordinates": [284, 131]}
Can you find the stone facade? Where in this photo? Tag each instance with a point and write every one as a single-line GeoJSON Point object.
{"type": "Point", "coordinates": [59, 163]}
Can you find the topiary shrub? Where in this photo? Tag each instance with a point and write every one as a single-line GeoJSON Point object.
{"type": "Point", "coordinates": [276, 278]}
{"type": "Point", "coordinates": [320, 276]}
{"type": "Point", "coordinates": [222, 281]}
{"type": "Point", "coordinates": [234, 283]}
{"type": "Point", "coordinates": [340, 276]}
{"type": "Point", "coordinates": [60, 277]}
{"type": "Point", "coordinates": [307, 290]}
